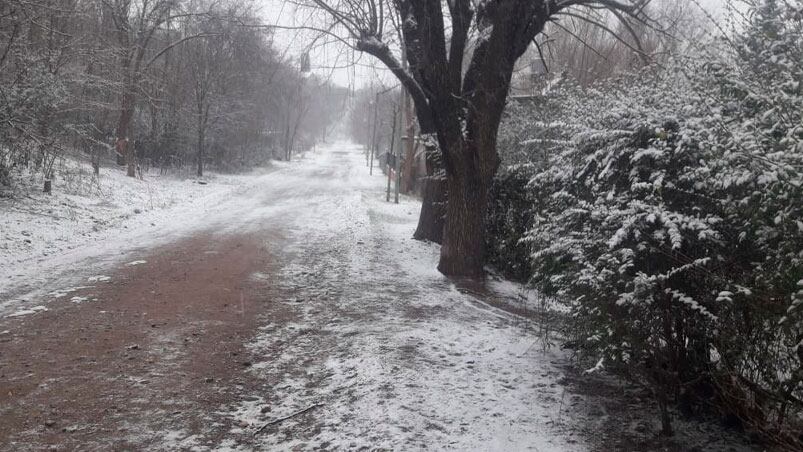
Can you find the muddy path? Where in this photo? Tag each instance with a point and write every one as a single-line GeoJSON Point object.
{"type": "Point", "coordinates": [153, 348]}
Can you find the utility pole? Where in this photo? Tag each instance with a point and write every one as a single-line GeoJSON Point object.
{"type": "Point", "coordinates": [371, 167]}
{"type": "Point", "coordinates": [370, 138]}
{"type": "Point", "coordinates": [391, 152]}
{"type": "Point", "coordinates": [375, 140]}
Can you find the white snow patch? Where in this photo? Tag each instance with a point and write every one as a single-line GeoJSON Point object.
{"type": "Point", "coordinates": [78, 300]}
{"type": "Point", "coordinates": [30, 311]}
{"type": "Point", "coordinates": [61, 293]}
{"type": "Point", "coordinates": [247, 414]}
{"type": "Point", "coordinates": [520, 296]}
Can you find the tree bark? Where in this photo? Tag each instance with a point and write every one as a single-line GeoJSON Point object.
{"type": "Point", "coordinates": [433, 205]}
{"type": "Point", "coordinates": [468, 185]}
{"type": "Point", "coordinates": [463, 248]}
{"type": "Point", "coordinates": [125, 152]}
{"type": "Point", "coordinates": [286, 140]}
{"type": "Point", "coordinates": [203, 120]}
{"type": "Point", "coordinates": [434, 194]}
{"type": "Point", "coordinates": [96, 162]}
{"type": "Point", "coordinates": [663, 407]}
{"type": "Point", "coordinates": [201, 140]}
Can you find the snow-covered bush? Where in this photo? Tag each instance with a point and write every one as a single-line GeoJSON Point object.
{"type": "Point", "coordinates": [510, 216]}
{"type": "Point", "coordinates": [672, 222]}
{"type": "Point", "coordinates": [27, 111]}
{"type": "Point", "coordinates": [528, 136]}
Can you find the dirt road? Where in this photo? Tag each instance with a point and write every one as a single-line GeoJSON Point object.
{"type": "Point", "coordinates": [301, 316]}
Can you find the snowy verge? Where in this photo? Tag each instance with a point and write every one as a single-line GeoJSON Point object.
{"type": "Point", "coordinates": [102, 217]}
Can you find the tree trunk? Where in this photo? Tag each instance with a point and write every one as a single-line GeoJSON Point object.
{"type": "Point", "coordinates": [468, 180]}
{"type": "Point", "coordinates": [286, 140]}
{"type": "Point", "coordinates": [434, 194]}
{"type": "Point", "coordinates": [663, 407]}
{"type": "Point", "coordinates": [125, 153]}
{"type": "Point", "coordinates": [200, 152]}
{"type": "Point", "coordinates": [203, 117]}
{"type": "Point", "coordinates": [471, 161]}
{"type": "Point", "coordinates": [391, 154]}
{"type": "Point", "coordinates": [433, 205]}
{"type": "Point", "coordinates": [96, 159]}
{"type": "Point", "coordinates": [463, 248]}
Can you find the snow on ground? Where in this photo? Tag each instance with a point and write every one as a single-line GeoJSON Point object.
{"type": "Point", "coordinates": [380, 352]}
{"type": "Point", "coordinates": [386, 354]}
{"type": "Point", "coordinates": [23, 312]}
{"type": "Point", "coordinates": [519, 297]}
{"type": "Point", "coordinates": [35, 224]}
{"type": "Point", "coordinates": [97, 218]}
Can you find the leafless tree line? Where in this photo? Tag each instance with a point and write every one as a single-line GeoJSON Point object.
{"type": "Point", "coordinates": [159, 82]}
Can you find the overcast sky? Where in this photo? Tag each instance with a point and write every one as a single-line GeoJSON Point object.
{"type": "Point", "coordinates": [345, 68]}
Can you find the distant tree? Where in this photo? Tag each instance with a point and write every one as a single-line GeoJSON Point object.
{"type": "Point", "coordinates": [168, 80]}
{"type": "Point", "coordinates": [136, 26]}
{"type": "Point", "coordinates": [208, 72]}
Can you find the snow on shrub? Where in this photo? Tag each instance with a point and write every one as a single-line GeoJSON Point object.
{"type": "Point", "coordinates": [669, 215]}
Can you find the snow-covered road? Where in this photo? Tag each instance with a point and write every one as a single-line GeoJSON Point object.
{"type": "Point", "coordinates": [357, 342]}
{"type": "Point", "coordinates": [396, 356]}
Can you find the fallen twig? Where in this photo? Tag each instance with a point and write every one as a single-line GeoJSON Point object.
{"type": "Point", "coordinates": [281, 419]}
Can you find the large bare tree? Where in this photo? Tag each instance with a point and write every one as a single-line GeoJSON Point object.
{"type": "Point", "coordinates": [461, 57]}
